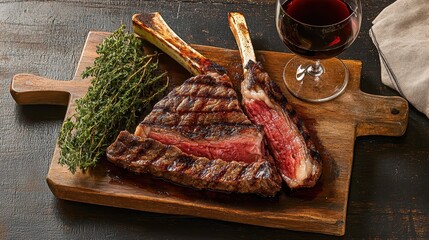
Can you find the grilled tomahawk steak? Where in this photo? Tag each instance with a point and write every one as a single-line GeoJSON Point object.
{"type": "Point", "coordinates": [197, 135]}
{"type": "Point", "coordinates": [295, 155]}
{"type": "Point", "coordinates": [203, 116]}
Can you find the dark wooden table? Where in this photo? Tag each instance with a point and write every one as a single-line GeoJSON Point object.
{"type": "Point", "coordinates": [389, 187]}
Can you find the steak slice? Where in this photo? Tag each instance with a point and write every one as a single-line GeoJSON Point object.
{"type": "Point", "coordinates": [145, 155]}
{"type": "Point", "coordinates": [290, 143]}
{"type": "Point", "coordinates": [203, 117]}
{"type": "Point", "coordinates": [295, 154]}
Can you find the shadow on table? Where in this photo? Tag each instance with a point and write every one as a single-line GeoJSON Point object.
{"type": "Point", "coordinates": [28, 114]}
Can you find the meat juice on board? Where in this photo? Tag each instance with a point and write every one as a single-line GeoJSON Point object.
{"type": "Point", "coordinates": [318, 29]}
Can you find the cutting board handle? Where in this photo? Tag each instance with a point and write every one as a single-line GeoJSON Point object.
{"type": "Point", "coordinates": [31, 89]}
{"type": "Point", "coordinates": [382, 115]}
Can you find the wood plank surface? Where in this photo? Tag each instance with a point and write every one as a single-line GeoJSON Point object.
{"type": "Point", "coordinates": [335, 123]}
{"type": "Point", "coordinates": [388, 189]}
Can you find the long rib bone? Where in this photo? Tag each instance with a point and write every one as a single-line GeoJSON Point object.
{"type": "Point", "coordinates": [238, 26]}
{"type": "Point", "coordinates": [152, 27]}
{"type": "Point", "coordinates": [290, 143]}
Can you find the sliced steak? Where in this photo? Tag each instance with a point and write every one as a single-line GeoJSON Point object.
{"type": "Point", "coordinates": [290, 143]}
{"type": "Point", "coordinates": [145, 155]}
{"type": "Point", "coordinates": [295, 154]}
{"type": "Point", "coordinates": [203, 117]}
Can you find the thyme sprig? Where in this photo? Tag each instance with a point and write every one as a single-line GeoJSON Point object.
{"type": "Point", "coordinates": [124, 82]}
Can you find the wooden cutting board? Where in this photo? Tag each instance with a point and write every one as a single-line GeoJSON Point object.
{"type": "Point", "coordinates": [321, 209]}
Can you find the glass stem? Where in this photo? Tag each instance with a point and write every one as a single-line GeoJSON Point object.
{"type": "Point", "coordinates": [316, 69]}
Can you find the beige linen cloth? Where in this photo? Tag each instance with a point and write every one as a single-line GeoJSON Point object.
{"type": "Point", "coordinates": [401, 34]}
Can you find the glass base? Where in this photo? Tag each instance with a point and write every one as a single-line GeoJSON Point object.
{"type": "Point", "coordinates": [311, 83]}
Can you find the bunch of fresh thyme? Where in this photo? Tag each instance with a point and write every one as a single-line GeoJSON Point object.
{"type": "Point", "coordinates": [124, 82]}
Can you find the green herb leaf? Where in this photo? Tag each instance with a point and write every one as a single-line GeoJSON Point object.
{"type": "Point", "coordinates": [124, 82]}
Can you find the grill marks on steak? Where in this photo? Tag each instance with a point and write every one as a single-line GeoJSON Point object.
{"type": "Point", "coordinates": [146, 155]}
{"type": "Point", "coordinates": [295, 154]}
{"type": "Point", "coordinates": [203, 117]}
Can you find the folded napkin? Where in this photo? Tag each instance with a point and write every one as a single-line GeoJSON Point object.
{"type": "Point", "coordinates": [401, 34]}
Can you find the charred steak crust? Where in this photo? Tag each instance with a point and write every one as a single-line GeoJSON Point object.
{"type": "Point", "coordinates": [208, 132]}
{"type": "Point", "coordinates": [145, 155]}
{"type": "Point", "coordinates": [202, 100]}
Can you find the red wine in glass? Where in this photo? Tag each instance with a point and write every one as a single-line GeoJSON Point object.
{"type": "Point", "coordinates": [318, 43]}
{"type": "Point", "coordinates": [317, 30]}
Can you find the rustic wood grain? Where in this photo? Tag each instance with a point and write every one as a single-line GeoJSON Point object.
{"type": "Point", "coordinates": [388, 190]}
{"type": "Point", "coordinates": [361, 114]}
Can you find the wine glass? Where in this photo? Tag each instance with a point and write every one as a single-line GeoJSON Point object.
{"type": "Point", "coordinates": [317, 31]}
